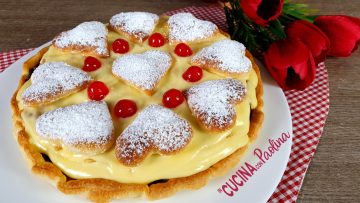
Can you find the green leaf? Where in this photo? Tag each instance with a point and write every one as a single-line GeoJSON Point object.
{"type": "Point", "coordinates": [277, 29]}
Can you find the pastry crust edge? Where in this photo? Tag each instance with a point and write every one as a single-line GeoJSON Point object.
{"type": "Point", "coordinates": [103, 190]}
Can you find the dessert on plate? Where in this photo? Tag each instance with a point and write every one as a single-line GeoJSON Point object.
{"type": "Point", "coordinates": [143, 106]}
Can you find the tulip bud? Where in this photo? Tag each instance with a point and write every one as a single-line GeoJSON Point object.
{"type": "Point", "coordinates": [343, 33]}
{"type": "Point", "coordinates": [311, 36]}
{"type": "Point", "coordinates": [291, 64]}
{"type": "Point", "coordinates": [262, 11]}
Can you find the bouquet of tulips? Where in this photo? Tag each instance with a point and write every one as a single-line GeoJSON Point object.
{"type": "Point", "coordinates": [289, 39]}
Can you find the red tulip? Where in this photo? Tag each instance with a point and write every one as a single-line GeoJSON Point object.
{"type": "Point", "coordinates": [262, 11]}
{"type": "Point", "coordinates": [317, 42]}
{"type": "Point", "coordinates": [343, 33]}
{"type": "Point", "coordinates": [353, 19]}
{"type": "Point", "coordinates": [291, 64]}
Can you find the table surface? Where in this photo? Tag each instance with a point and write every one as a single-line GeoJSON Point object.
{"type": "Point", "coordinates": [334, 174]}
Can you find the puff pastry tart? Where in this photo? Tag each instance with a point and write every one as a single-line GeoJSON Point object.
{"type": "Point", "coordinates": [143, 106]}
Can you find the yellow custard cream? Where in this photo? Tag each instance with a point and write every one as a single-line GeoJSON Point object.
{"type": "Point", "coordinates": [205, 148]}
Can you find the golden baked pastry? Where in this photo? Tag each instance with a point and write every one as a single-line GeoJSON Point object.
{"type": "Point", "coordinates": [231, 60]}
{"type": "Point", "coordinates": [137, 26]}
{"type": "Point", "coordinates": [149, 128]}
{"type": "Point", "coordinates": [143, 71]}
{"type": "Point", "coordinates": [73, 127]}
{"type": "Point", "coordinates": [142, 107]}
{"type": "Point", "coordinates": [212, 103]}
{"type": "Point", "coordinates": [92, 43]}
{"type": "Point", "coordinates": [52, 81]}
{"type": "Point", "coordinates": [185, 27]}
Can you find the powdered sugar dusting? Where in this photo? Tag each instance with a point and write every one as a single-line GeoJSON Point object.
{"type": "Point", "coordinates": [88, 122]}
{"type": "Point", "coordinates": [156, 128]}
{"type": "Point", "coordinates": [228, 54]}
{"type": "Point", "coordinates": [139, 24]}
{"type": "Point", "coordinates": [53, 79]}
{"type": "Point", "coordinates": [88, 34]}
{"type": "Point", "coordinates": [143, 70]}
{"type": "Point", "coordinates": [186, 27]}
{"type": "Point", "coordinates": [213, 101]}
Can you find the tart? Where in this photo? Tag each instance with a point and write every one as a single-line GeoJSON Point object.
{"type": "Point", "coordinates": [144, 106]}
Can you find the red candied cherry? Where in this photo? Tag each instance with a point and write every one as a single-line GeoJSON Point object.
{"type": "Point", "coordinates": [125, 108]}
{"type": "Point", "coordinates": [91, 64]}
{"type": "Point", "coordinates": [183, 50]}
{"type": "Point", "coordinates": [120, 46]}
{"type": "Point", "coordinates": [193, 74]}
{"type": "Point", "coordinates": [97, 90]}
{"type": "Point", "coordinates": [172, 98]}
{"type": "Point", "coordinates": [156, 40]}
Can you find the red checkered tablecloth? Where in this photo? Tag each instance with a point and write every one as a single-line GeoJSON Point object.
{"type": "Point", "coordinates": [308, 108]}
{"type": "Point", "coordinates": [8, 58]}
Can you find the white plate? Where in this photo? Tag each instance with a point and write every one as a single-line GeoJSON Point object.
{"type": "Point", "coordinates": [19, 185]}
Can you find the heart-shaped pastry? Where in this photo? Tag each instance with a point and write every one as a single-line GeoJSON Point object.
{"type": "Point", "coordinates": [143, 71]}
{"type": "Point", "coordinates": [88, 38]}
{"type": "Point", "coordinates": [85, 127]}
{"type": "Point", "coordinates": [212, 102]}
{"type": "Point", "coordinates": [185, 27]}
{"type": "Point", "coordinates": [224, 57]}
{"type": "Point", "coordinates": [52, 81]}
{"type": "Point", "coordinates": [155, 129]}
{"type": "Point", "coordinates": [136, 25]}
